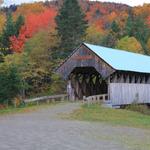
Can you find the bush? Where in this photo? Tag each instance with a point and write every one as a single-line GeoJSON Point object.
{"type": "Point", "coordinates": [58, 86]}
{"type": "Point", "coordinates": [144, 109]}
{"type": "Point", "coordinates": [10, 83]}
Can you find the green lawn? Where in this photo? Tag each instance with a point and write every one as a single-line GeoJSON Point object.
{"type": "Point", "coordinates": [26, 109]}
{"type": "Point", "coordinates": [111, 116]}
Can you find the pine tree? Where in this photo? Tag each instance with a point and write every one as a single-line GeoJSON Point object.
{"type": "Point", "coordinates": [115, 27]}
{"type": "Point", "coordinates": [11, 29]}
{"type": "Point", "coordinates": [8, 31]}
{"type": "Point", "coordinates": [71, 26]}
{"type": "Point", "coordinates": [136, 27]}
{"type": "Point", "coordinates": [129, 27]}
{"type": "Point", "coordinates": [19, 22]}
{"type": "Point", "coordinates": [10, 83]}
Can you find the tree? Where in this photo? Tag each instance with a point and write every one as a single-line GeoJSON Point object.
{"type": "Point", "coordinates": [137, 28]}
{"type": "Point", "coordinates": [129, 44]}
{"type": "Point", "coordinates": [18, 24]}
{"type": "Point", "coordinates": [33, 23]}
{"type": "Point", "coordinates": [114, 26]}
{"type": "Point", "coordinates": [2, 21]}
{"type": "Point", "coordinates": [129, 27]}
{"type": "Point", "coordinates": [94, 35]}
{"type": "Point", "coordinates": [148, 46]}
{"type": "Point", "coordinates": [11, 83]}
{"type": "Point", "coordinates": [8, 31]}
{"type": "Point", "coordinates": [109, 40]}
{"type": "Point", "coordinates": [71, 26]}
{"type": "Point", "coordinates": [40, 66]}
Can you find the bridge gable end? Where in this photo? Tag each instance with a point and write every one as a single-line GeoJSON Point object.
{"type": "Point", "coordinates": [84, 57]}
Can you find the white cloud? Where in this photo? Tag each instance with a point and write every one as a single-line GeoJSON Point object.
{"type": "Point", "coordinates": [128, 2]}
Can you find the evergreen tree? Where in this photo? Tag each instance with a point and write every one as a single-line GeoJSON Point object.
{"type": "Point", "coordinates": [129, 27]}
{"type": "Point", "coordinates": [11, 29]}
{"type": "Point", "coordinates": [136, 27]}
{"type": "Point", "coordinates": [115, 27]}
{"type": "Point", "coordinates": [71, 26]}
{"type": "Point", "coordinates": [10, 83]}
{"type": "Point", "coordinates": [8, 31]}
{"type": "Point", "coordinates": [19, 22]}
{"type": "Point", "coordinates": [109, 40]}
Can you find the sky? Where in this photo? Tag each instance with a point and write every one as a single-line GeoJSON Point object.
{"type": "Point", "coordinates": [128, 2]}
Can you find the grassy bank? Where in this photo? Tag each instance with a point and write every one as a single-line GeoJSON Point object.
{"type": "Point", "coordinates": [26, 109]}
{"type": "Point", "coordinates": [111, 116]}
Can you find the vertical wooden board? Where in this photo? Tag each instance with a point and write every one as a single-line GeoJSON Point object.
{"type": "Point", "coordinates": [126, 93]}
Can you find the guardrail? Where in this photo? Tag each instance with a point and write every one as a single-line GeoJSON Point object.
{"type": "Point", "coordinates": [96, 99]}
{"type": "Point", "coordinates": [47, 99]}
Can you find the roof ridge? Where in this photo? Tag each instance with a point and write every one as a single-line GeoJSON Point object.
{"type": "Point", "coordinates": [122, 60]}
{"type": "Point", "coordinates": [120, 50]}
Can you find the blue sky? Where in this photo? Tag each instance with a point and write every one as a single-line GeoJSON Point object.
{"type": "Point", "coordinates": [129, 2]}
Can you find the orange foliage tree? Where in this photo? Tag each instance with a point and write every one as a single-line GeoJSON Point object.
{"type": "Point", "coordinates": [33, 23]}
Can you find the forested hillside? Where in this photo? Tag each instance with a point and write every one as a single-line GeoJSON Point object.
{"type": "Point", "coordinates": [29, 39]}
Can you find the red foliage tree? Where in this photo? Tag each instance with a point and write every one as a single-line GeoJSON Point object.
{"type": "Point", "coordinates": [36, 21]}
{"type": "Point", "coordinates": [17, 43]}
{"type": "Point", "coordinates": [33, 23]}
{"type": "Point", "coordinates": [148, 21]}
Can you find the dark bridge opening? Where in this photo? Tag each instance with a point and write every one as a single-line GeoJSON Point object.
{"type": "Point", "coordinates": [86, 81]}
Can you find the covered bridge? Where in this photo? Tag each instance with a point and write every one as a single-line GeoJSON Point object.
{"type": "Point", "coordinates": [94, 70]}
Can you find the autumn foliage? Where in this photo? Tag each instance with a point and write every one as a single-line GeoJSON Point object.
{"type": "Point", "coordinates": [98, 14]}
{"type": "Point", "coordinates": [33, 23]}
{"type": "Point", "coordinates": [32, 43]}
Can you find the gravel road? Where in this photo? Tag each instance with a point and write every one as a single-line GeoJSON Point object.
{"type": "Point", "coordinates": [45, 130]}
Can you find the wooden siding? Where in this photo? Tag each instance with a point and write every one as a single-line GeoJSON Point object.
{"type": "Point", "coordinates": [127, 93]}
{"type": "Point", "coordinates": [83, 57]}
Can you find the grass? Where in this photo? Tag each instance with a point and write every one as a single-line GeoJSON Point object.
{"type": "Point", "coordinates": [111, 116]}
{"type": "Point", "coordinates": [27, 109]}
{"type": "Point", "coordinates": [144, 109]}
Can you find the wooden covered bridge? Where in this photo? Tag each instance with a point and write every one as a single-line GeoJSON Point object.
{"type": "Point", "coordinates": [94, 70]}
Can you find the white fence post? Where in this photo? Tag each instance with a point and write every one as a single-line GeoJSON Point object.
{"type": "Point", "coordinates": [95, 99]}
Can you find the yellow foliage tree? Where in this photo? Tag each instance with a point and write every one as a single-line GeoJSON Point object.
{"type": "Point", "coordinates": [2, 21]}
{"type": "Point", "coordinates": [148, 46]}
{"type": "Point", "coordinates": [27, 9]}
{"type": "Point", "coordinates": [129, 44]}
{"type": "Point", "coordinates": [94, 35]}
{"type": "Point", "coordinates": [142, 10]}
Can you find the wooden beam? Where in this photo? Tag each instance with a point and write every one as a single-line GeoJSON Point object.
{"type": "Point", "coordinates": [148, 80]}
{"type": "Point", "coordinates": [114, 80]}
{"type": "Point", "coordinates": [133, 79]}
{"type": "Point", "coordinates": [143, 79]}
{"type": "Point", "coordinates": [139, 79]}
{"type": "Point", "coordinates": [121, 79]}
{"type": "Point", "coordinates": [127, 78]}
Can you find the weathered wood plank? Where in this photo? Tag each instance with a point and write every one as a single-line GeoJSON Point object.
{"type": "Point", "coordinates": [83, 57]}
{"type": "Point", "coordinates": [45, 98]}
{"type": "Point", "coordinates": [126, 93]}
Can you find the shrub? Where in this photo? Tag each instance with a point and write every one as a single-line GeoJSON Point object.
{"type": "Point", "coordinates": [10, 83]}
{"type": "Point", "coordinates": [58, 86]}
{"type": "Point", "coordinates": [144, 109]}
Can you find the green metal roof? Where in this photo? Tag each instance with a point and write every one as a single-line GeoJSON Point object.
{"type": "Point", "coordinates": [122, 60]}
